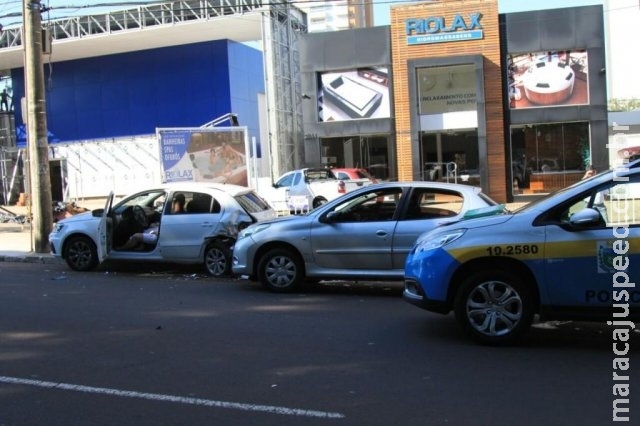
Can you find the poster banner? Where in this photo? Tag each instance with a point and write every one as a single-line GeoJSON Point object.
{"type": "Point", "coordinates": [204, 154]}
{"type": "Point", "coordinates": [553, 78]}
{"type": "Point", "coordinates": [354, 94]}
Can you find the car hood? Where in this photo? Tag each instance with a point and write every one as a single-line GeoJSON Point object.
{"type": "Point", "coordinates": [283, 219]}
{"type": "Point", "coordinates": [480, 222]}
{"type": "Point", "coordinates": [263, 215]}
{"type": "Point", "coordinates": [494, 214]}
{"type": "Point", "coordinates": [81, 217]}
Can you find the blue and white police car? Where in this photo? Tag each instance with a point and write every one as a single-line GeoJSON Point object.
{"type": "Point", "coordinates": [571, 255]}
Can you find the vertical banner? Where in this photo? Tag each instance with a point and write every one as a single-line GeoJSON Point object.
{"type": "Point", "coordinates": [204, 154]}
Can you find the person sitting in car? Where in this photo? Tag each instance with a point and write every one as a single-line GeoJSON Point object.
{"type": "Point", "coordinates": [147, 236]}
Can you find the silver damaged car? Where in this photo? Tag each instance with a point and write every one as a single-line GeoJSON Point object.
{"type": "Point", "coordinates": [365, 234]}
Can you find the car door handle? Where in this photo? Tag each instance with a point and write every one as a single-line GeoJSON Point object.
{"type": "Point", "coordinates": [381, 233]}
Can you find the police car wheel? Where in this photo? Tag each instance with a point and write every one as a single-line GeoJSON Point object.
{"type": "Point", "coordinates": [494, 306]}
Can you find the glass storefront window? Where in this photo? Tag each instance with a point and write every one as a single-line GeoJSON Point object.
{"type": "Point", "coordinates": [368, 152]}
{"type": "Point", "coordinates": [446, 89]}
{"type": "Point", "coordinates": [448, 124]}
{"type": "Point", "coordinates": [450, 157]}
{"type": "Point", "coordinates": [547, 157]}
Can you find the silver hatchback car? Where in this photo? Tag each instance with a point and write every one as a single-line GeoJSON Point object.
{"type": "Point", "coordinates": [189, 223]}
{"type": "Point", "coordinates": [365, 234]}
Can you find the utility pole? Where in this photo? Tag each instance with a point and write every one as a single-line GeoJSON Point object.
{"type": "Point", "coordinates": [37, 142]}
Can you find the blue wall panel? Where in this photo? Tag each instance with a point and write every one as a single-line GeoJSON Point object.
{"type": "Point", "coordinates": [134, 93]}
{"type": "Point", "coordinates": [246, 80]}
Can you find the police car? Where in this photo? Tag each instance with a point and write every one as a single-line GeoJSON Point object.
{"type": "Point", "coordinates": [571, 255]}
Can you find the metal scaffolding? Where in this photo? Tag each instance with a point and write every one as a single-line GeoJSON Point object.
{"type": "Point", "coordinates": [135, 19]}
{"type": "Point", "coordinates": [281, 24]}
{"type": "Point", "coordinates": [281, 31]}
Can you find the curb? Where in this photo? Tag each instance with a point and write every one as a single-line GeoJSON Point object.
{"type": "Point", "coordinates": [19, 257]}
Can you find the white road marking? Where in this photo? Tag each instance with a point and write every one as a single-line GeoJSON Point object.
{"type": "Point", "coordinates": [172, 398]}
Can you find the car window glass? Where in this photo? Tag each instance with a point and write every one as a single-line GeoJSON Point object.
{"type": "Point", "coordinates": [427, 203]}
{"type": "Point", "coordinates": [373, 206]}
{"type": "Point", "coordinates": [199, 203]}
{"type": "Point", "coordinates": [286, 180]}
{"type": "Point", "coordinates": [342, 175]}
{"type": "Point", "coordinates": [148, 200]}
{"type": "Point", "coordinates": [252, 202]}
{"type": "Point", "coordinates": [617, 203]}
{"type": "Point", "coordinates": [621, 202]}
{"type": "Point", "coordinates": [318, 174]}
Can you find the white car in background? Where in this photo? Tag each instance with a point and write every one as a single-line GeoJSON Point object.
{"type": "Point", "coordinates": [203, 233]}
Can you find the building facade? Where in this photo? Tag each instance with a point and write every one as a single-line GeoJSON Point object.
{"type": "Point", "coordinates": [336, 15]}
{"type": "Point", "coordinates": [514, 103]}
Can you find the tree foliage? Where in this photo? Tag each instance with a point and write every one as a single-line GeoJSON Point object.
{"type": "Point", "coordinates": [623, 105]}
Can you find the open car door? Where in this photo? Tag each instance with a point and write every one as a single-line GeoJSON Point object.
{"type": "Point", "coordinates": [104, 231]}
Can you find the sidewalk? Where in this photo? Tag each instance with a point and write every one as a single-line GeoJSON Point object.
{"type": "Point", "coordinates": [15, 245]}
{"type": "Point", "coordinates": [16, 239]}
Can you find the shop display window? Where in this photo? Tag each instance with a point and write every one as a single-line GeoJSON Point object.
{"type": "Point", "coordinates": [548, 157]}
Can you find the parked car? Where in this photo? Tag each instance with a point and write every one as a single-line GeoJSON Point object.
{"type": "Point", "coordinates": [364, 234]}
{"type": "Point", "coordinates": [559, 257]}
{"type": "Point", "coordinates": [308, 188]}
{"type": "Point", "coordinates": [201, 234]}
{"type": "Point", "coordinates": [354, 173]}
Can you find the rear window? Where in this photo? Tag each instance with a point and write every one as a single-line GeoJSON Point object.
{"type": "Point", "coordinates": [318, 174]}
{"type": "Point", "coordinates": [251, 202]}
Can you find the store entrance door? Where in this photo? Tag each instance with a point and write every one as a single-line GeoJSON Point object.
{"type": "Point", "coordinates": [450, 156]}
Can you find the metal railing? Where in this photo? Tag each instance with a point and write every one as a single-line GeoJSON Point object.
{"type": "Point", "coordinates": [134, 19]}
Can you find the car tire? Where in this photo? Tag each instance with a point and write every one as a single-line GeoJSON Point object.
{"type": "Point", "coordinates": [494, 307]}
{"type": "Point", "coordinates": [281, 270]}
{"type": "Point", "coordinates": [81, 254]}
{"type": "Point", "coordinates": [319, 201]}
{"type": "Point", "coordinates": [217, 260]}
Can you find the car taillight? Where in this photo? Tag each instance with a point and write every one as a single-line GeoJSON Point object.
{"type": "Point", "coordinates": [342, 188]}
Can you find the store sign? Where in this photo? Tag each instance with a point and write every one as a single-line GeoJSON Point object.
{"type": "Point", "coordinates": [436, 29]}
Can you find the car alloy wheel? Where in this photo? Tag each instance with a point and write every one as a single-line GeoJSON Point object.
{"type": "Point", "coordinates": [281, 270]}
{"type": "Point", "coordinates": [81, 254]}
{"type": "Point", "coordinates": [494, 306]}
{"type": "Point", "coordinates": [217, 260]}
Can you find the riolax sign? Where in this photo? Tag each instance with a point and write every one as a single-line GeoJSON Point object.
{"type": "Point", "coordinates": [437, 29]}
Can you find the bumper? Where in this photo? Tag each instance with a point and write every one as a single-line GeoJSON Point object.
{"type": "Point", "coordinates": [56, 245]}
{"type": "Point", "coordinates": [241, 260]}
{"type": "Point", "coordinates": [426, 278]}
{"type": "Point", "coordinates": [414, 294]}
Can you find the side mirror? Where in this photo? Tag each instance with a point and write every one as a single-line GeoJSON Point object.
{"type": "Point", "coordinates": [585, 217]}
{"type": "Point", "coordinates": [330, 217]}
